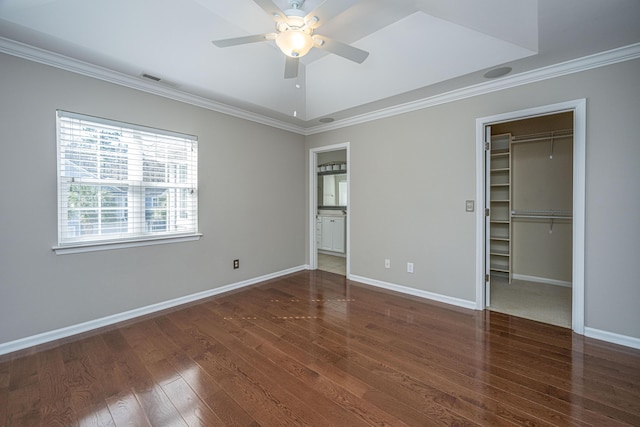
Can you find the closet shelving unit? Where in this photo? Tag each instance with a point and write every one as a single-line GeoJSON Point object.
{"type": "Point", "coordinates": [500, 207]}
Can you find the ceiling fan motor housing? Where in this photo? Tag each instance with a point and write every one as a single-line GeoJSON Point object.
{"type": "Point", "coordinates": [295, 4]}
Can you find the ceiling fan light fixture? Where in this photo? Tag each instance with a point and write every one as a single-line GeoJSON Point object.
{"type": "Point", "coordinates": [294, 33]}
{"type": "Point", "coordinates": [294, 42]}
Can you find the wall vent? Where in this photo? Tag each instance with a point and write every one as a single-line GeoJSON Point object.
{"type": "Point", "coordinates": [150, 77]}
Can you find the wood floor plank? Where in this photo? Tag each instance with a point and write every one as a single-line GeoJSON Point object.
{"type": "Point", "coordinates": [204, 383]}
{"type": "Point", "coordinates": [23, 372]}
{"type": "Point", "coordinates": [324, 362]}
{"type": "Point", "coordinates": [306, 383]}
{"type": "Point", "coordinates": [130, 370]}
{"type": "Point", "coordinates": [194, 411]}
{"type": "Point", "coordinates": [412, 381]}
{"type": "Point", "coordinates": [4, 390]}
{"type": "Point", "coordinates": [4, 375]}
{"type": "Point", "coordinates": [95, 416]}
{"type": "Point", "coordinates": [100, 370]}
{"type": "Point", "coordinates": [56, 408]}
{"type": "Point", "coordinates": [23, 406]}
{"type": "Point", "coordinates": [81, 377]}
{"type": "Point", "coordinates": [177, 368]}
{"type": "Point", "coordinates": [330, 380]}
{"type": "Point", "coordinates": [312, 348]}
{"type": "Point", "coordinates": [436, 413]}
{"type": "Point", "coordinates": [469, 350]}
{"type": "Point", "coordinates": [4, 403]}
{"type": "Point", "coordinates": [159, 408]}
{"type": "Point", "coordinates": [552, 418]}
{"type": "Point", "coordinates": [263, 404]}
{"type": "Point", "coordinates": [420, 353]}
{"type": "Point", "coordinates": [143, 338]}
{"type": "Point", "coordinates": [126, 410]}
{"type": "Point", "coordinates": [234, 371]}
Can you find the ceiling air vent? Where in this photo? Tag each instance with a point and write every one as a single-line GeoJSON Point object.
{"type": "Point", "coordinates": [150, 77]}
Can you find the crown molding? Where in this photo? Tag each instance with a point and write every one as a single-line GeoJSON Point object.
{"type": "Point", "coordinates": [21, 50]}
{"type": "Point", "coordinates": [45, 57]}
{"type": "Point", "coordinates": [602, 59]}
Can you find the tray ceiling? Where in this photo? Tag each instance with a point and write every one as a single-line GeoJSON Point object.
{"type": "Point", "coordinates": [417, 47]}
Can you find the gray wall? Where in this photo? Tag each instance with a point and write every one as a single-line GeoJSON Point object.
{"type": "Point", "coordinates": [410, 176]}
{"type": "Point", "coordinates": [332, 156]}
{"type": "Point", "coordinates": [411, 173]}
{"type": "Point", "coordinates": [251, 190]}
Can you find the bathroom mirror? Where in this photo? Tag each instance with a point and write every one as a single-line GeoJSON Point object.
{"type": "Point", "coordinates": [332, 191]}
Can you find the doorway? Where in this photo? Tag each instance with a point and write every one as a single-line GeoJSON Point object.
{"type": "Point", "coordinates": [329, 218]}
{"type": "Point", "coordinates": [530, 198]}
{"type": "Point", "coordinates": [507, 261]}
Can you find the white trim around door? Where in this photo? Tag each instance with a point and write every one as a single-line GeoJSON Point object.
{"type": "Point", "coordinates": [578, 107]}
{"type": "Point", "coordinates": [313, 203]}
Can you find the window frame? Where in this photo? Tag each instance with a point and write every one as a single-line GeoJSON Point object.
{"type": "Point", "coordinates": [139, 181]}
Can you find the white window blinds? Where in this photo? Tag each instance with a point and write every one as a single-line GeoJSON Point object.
{"type": "Point", "coordinates": [122, 182]}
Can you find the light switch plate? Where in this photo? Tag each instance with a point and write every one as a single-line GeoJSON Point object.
{"type": "Point", "coordinates": [469, 205]}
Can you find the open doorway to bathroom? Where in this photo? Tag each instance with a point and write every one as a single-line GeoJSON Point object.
{"type": "Point", "coordinates": [330, 208]}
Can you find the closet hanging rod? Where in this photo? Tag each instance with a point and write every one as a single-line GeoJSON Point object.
{"type": "Point", "coordinates": [542, 214]}
{"type": "Point", "coordinates": [542, 211]}
{"type": "Point", "coordinates": [543, 137]}
{"type": "Point", "coordinates": [516, 216]}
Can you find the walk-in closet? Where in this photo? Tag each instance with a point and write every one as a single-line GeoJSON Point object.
{"type": "Point", "coordinates": [531, 198]}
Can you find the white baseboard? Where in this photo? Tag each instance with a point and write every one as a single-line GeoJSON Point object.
{"type": "Point", "coordinates": [612, 337]}
{"type": "Point", "coordinates": [542, 280]}
{"type": "Point", "coordinates": [34, 340]}
{"type": "Point", "coordinates": [415, 292]}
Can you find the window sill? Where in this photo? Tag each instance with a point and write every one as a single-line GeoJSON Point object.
{"type": "Point", "coordinates": [122, 244]}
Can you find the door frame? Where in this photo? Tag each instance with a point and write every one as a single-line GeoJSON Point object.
{"type": "Point", "coordinates": [578, 107]}
{"type": "Point", "coordinates": [313, 203]}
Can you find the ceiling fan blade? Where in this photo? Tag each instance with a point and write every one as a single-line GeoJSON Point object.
{"type": "Point", "coordinates": [241, 40]}
{"type": "Point", "coordinates": [346, 51]}
{"type": "Point", "coordinates": [291, 67]}
{"type": "Point", "coordinates": [326, 11]}
{"type": "Point", "coordinates": [272, 9]}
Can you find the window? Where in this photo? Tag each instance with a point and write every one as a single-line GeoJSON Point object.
{"type": "Point", "coordinates": [121, 183]}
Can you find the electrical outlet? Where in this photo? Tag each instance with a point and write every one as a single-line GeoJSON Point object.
{"type": "Point", "coordinates": [387, 263]}
{"type": "Point", "coordinates": [409, 267]}
{"type": "Point", "coordinates": [236, 263]}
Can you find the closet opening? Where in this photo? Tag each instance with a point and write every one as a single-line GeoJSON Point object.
{"type": "Point", "coordinates": [531, 231]}
{"type": "Point", "coordinates": [530, 218]}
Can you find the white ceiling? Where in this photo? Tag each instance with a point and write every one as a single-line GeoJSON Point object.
{"type": "Point", "coordinates": [417, 48]}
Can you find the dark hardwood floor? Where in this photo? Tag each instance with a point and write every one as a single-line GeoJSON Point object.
{"type": "Point", "coordinates": [315, 349]}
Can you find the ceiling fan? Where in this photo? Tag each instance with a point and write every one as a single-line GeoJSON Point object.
{"type": "Point", "coordinates": [295, 33]}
